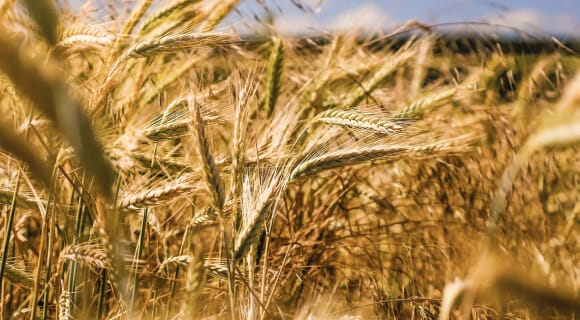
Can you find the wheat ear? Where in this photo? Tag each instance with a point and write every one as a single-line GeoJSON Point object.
{"type": "Point", "coordinates": [343, 158]}
{"type": "Point", "coordinates": [209, 168]}
{"type": "Point", "coordinates": [136, 14]}
{"type": "Point", "coordinates": [18, 276]}
{"type": "Point", "coordinates": [156, 197]}
{"type": "Point", "coordinates": [357, 120]}
{"type": "Point", "coordinates": [218, 14]}
{"type": "Point", "coordinates": [256, 215]}
{"type": "Point", "coordinates": [275, 70]}
{"type": "Point", "coordinates": [241, 111]}
{"type": "Point", "coordinates": [84, 41]}
{"type": "Point", "coordinates": [175, 43]}
{"type": "Point", "coordinates": [90, 255]}
{"type": "Point", "coordinates": [417, 108]}
{"type": "Point", "coordinates": [157, 18]}
{"type": "Point", "coordinates": [65, 305]}
{"type": "Point", "coordinates": [559, 130]}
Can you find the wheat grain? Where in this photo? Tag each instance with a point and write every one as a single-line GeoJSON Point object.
{"type": "Point", "coordinates": [157, 196]}
{"type": "Point", "coordinates": [208, 167]}
{"type": "Point", "coordinates": [216, 15]}
{"type": "Point", "coordinates": [343, 158]}
{"type": "Point", "coordinates": [64, 306]}
{"type": "Point", "coordinates": [182, 260]}
{"type": "Point", "coordinates": [418, 107]}
{"type": "Point", "coordinates": [358, 120]}
{"type": "Point", "coordinates": [136, 14]}
{"type": "Point", "coordinates": [90, 255]}
{"type": "Point", "coordinates": [275, 70]}
{"type": "Point", "coordinates": [18, 276]}
{"type": "Point", "coordinates": [83, 41]}
{"type": "Point", "coordinates": [175, 43]}
{"type": "Point", "coordinates": [256, 211]}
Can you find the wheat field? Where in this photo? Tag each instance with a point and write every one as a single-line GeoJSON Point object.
{"type": "Point", "coordinates": [160, 166]}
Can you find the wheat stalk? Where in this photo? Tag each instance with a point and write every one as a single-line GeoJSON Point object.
{"type": "Point", "coordinates": [194, 279]}
{"type": "Point", "coordinates": [22, 201]}
{"type": "Point", "coordinates": [44, 85]}
{"type": "Point", "coordinates": [45, 16]}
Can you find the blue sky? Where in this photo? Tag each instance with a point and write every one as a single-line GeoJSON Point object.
{"type": "Point", "coordinates": [553, 17]}
{"type": "Point", "coordinates": [540, 17]}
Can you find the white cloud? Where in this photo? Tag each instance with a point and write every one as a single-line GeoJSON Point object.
{"type": "Point", "coordinates": [366, 18]}
{"type": "Point", "coordinates": [297, 25]}
{"type": "Point", "coordinates": [536, 22]}
{"type": "Point", "coordinates": [370, 18]}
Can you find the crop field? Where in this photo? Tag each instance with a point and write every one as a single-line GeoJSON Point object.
{"type": "Point", "coordinates": [157, 165]}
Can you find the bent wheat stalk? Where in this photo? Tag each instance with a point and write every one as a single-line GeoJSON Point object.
{"type": "Point", "coordinates": [44, 86]}
{"type": "Point", "coordinates": [343, 158]}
